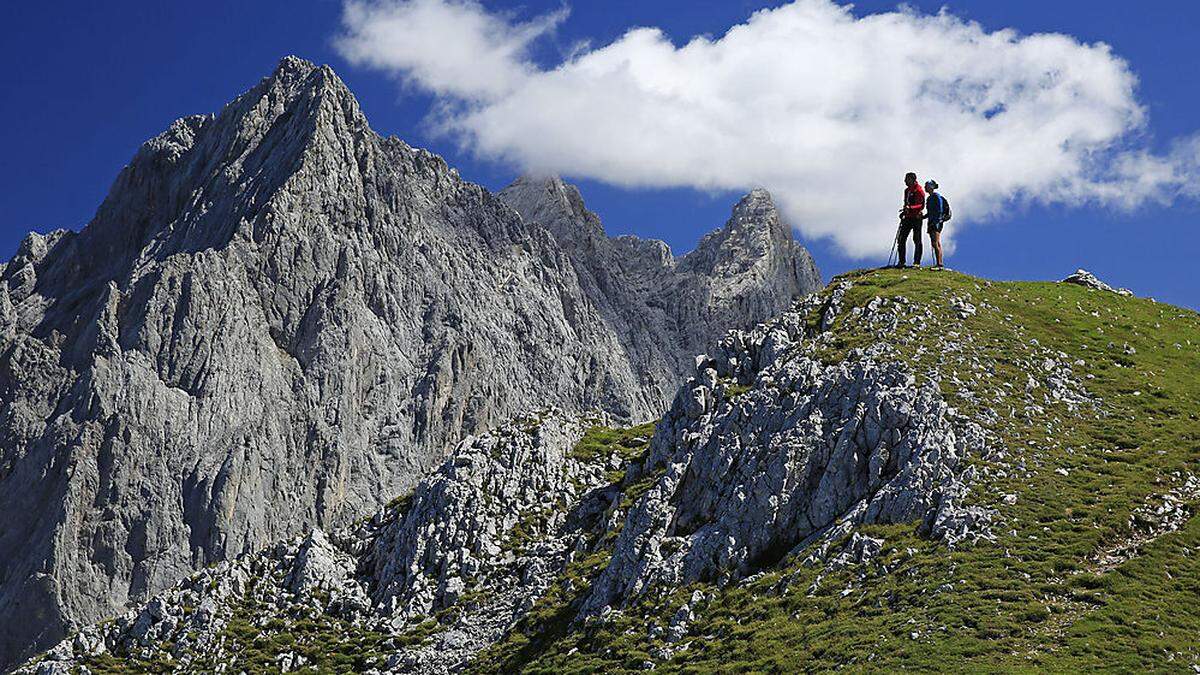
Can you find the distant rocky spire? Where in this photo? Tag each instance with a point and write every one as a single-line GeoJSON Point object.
{"type": "Point", "coordinates": [554, 204]}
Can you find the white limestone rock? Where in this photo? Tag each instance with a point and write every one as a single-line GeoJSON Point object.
{"type": "Point", "coordinates": [278, 320]}
{"type": "Point", "coordinates": [811, 450]}
{"type": "Point", "coordinates": [1085, 278]}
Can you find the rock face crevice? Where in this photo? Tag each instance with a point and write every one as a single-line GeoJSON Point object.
{"type": "Point", "coordinates": [277, 321]}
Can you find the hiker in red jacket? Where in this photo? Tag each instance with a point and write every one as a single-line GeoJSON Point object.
{"type": "Point", "coordinates": [911, 217]}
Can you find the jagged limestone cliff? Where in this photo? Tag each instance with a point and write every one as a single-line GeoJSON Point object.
{"type": "Point", "coordinates": [743, 269]}
{"type": "Point", "coordinates": [911, 470]}
{"type": "Point", "coordinates": [278, 320]}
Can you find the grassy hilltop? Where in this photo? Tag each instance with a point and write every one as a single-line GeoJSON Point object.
{"type": "Point", "coordinates": [1095, 561]}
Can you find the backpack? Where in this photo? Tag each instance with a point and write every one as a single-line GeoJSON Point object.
{"type": "Point", "coordinates": [945, 209]}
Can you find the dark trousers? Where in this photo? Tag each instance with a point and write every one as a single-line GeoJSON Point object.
{"type": "Point", "coordinates": [909, 226]}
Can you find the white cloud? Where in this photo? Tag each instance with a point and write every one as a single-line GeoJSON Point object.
{"type": "Point", "coordinates": [826, 109]}
{"type": "Point", "coordinates": [453, 48]}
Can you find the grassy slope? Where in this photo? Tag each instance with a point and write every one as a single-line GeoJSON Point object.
{"type": "Point", "coordinates": [1035, 599]}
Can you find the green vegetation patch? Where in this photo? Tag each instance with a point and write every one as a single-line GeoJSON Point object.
{"type": "Point", "coordinates": [599, 443]}
{"type": "Point", "coordinates": [326, 643]}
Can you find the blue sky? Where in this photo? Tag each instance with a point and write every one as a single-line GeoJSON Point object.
{"type": "Point", "coordinates": [87, 83]}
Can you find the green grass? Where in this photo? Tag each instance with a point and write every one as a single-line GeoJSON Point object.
{"type": "Point", "coordinates": [107, 664]}
{"type": "Point", "coordinates": [255, 636]}
{"type": "Point", "coordinates": [1033, 601]}
{"type": "Point", "coordinates": [418, 634]}
{"type": "Point", "coordinates": [733, 389]}
{"type": "Point", "coordinates": [330, 645]}
{"type": "Point", "coordinates": [599, 443]}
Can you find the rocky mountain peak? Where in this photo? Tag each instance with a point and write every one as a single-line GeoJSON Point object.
{"type": "Point", "coordinates": [201, 183]}
{"type": "Point", "coordinates": [300, 106]}
{"type": "Point", "coordinates": [757, 201]}
{"type": "Point", "coordinates": [292, 67]}
{"type": "Point", "coordinates": [279, 320]}
{"type": "Point", "coordinates": [556, 205]}
{"type": "Point", "coordinates": [295, 79]}
{"type": "Point", "coordinates": [751, 266]}
{"type": "Point", "coordinates": [756, 212]}
{"type": "Point", "coordinates": [755, 237]}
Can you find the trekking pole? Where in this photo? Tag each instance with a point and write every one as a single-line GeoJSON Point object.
{"type": "Point", "coordinates": [895, 242]}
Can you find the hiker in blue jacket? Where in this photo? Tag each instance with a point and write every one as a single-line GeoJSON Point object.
{"type": "Point", "coordinates": [937, 212]}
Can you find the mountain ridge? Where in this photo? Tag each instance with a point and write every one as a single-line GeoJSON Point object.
{"type": "Point", "coordinates": [277, 320]}
{"type": "Point", "coordinates": [701, 287]}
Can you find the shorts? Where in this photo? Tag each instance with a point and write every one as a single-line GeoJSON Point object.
{"type": "Point", "coordinates": [934, 227]}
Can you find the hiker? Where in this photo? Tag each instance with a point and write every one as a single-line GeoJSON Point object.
{"type": "Point", "coordinates": [937, 212]}
{"type": "Point", "coordinates": [911, 218]}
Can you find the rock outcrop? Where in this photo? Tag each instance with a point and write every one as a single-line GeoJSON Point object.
{"type": "Point", "coordinates": [462, 523]}
{"type": "Point", "coordinates": [1085, 278]}
{"type": "Point", "coordinates": [485, 534]}
{"type": "Point", "coordinates": [277, 321]}
{"type": "Point", "coordinates": [768, 449]}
